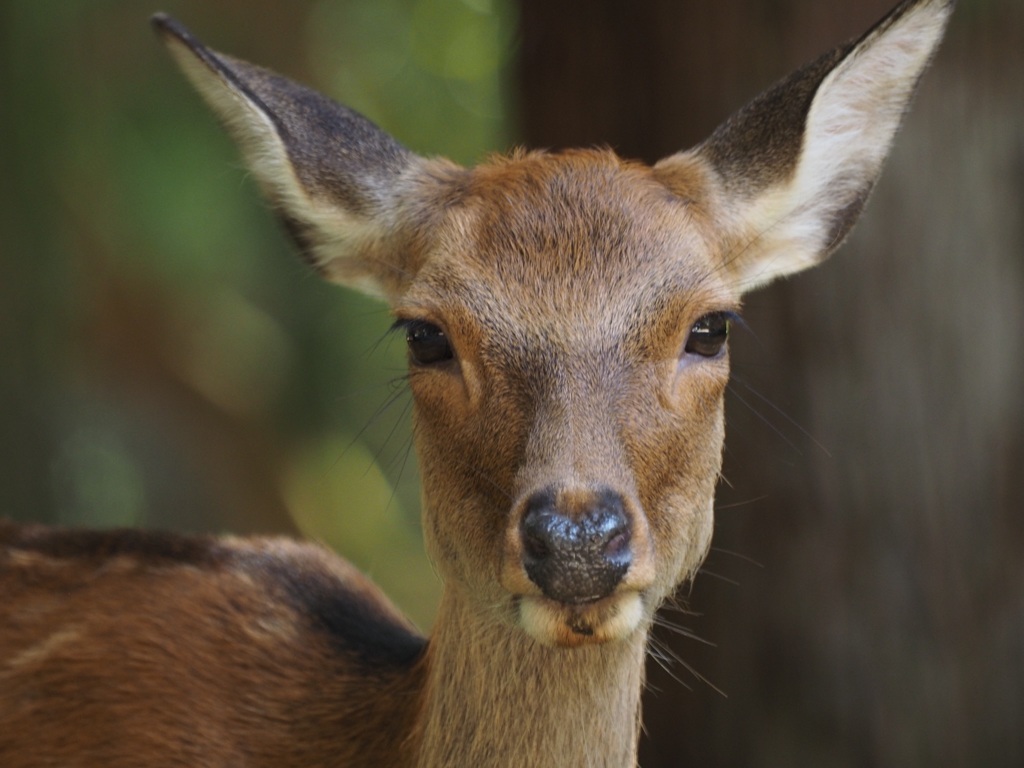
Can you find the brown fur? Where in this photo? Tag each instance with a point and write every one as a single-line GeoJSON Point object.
{"type": "Point", "coordinates": [568, 287]}
{"type": "Point", "coordinates": [127, 649]}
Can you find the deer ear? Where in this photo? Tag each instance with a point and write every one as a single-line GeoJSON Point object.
{"type": "Point", "coordinates": [343, 188]}
{"type": "Point", "coordinates": [791, 172]}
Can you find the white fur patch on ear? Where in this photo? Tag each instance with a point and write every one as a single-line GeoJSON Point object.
{"type": "Point", "coordinates": [339, 234]}
{"type": "Point", "coordinates": [250, 126]}
{"type": "Point", "coordinates": [849, 129]}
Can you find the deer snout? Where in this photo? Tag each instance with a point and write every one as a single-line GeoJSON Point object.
{"type": "Point", "coordinates": [580, 556]}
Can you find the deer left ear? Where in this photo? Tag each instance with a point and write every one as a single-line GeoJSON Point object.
{"type": "Point", "coordinates": [349, 195]}
{"type": "Point", "coordinates": [792, 171]}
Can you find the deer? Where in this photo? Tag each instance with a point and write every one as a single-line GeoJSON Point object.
{"type": "Point", "coordinates": [567, 316]}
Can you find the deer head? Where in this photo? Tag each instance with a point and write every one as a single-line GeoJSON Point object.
{"type": "Point", "coordinates": [567, 314]}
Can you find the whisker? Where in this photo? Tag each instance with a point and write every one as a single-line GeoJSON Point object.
{"type": "Point", "coordinates": [681, 631]}
{"type": "Point", "coordinates": [398, 421]}
{"type": "Point", "coordinates": [764, 419]}
{"type": "Point", "coordinates": [783, 414]}
{"type": "Point", "coordinates": [744, 503]}
{"type": "Point", "coordinates": [674, 657]}
{"type": "Point", "coordinates": [737, 555]}
{"type": "Point", "coordinates": [720, 577]}
{"type": "Point", "coordinates": [664, 657]}
{"type": "Point", "coordinates": [672, 604]}
{"type": "Point", "coordinates": [390, 400]}
{"type": "Point", "coordinates": [403, 453]}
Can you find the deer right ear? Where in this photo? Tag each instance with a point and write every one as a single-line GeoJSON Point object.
{"type": "Point", "coordinates": [788, 175]}
{"type": "Point", "coordinates": [344, 189]}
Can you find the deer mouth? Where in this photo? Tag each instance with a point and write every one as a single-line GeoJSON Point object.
{"type": "Point", "coordinates": [592, 622]}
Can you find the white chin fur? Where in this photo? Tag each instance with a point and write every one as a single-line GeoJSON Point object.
{"type": "Point", "coordinates": [552, 623]}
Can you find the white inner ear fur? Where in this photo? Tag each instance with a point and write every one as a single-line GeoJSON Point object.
{"type": "Point", "coordinates": [341, 235]}
{"type": "Point", "coordinates": [850, 127]}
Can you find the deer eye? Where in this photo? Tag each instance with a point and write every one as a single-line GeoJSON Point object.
{"type": "Point", "coordinates": [428, 344]}
{"type": "Point", "coordinates": [708, 335]}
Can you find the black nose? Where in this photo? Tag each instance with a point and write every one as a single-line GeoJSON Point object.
{"type": "Point", "coordinates": [577, 558]}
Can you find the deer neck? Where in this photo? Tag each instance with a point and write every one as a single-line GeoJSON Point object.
{"type": "Point", "coordinates": [496, 697]}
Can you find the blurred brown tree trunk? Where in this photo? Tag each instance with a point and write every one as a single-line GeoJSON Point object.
{"type": "Point", "coordinates": [869, 540]}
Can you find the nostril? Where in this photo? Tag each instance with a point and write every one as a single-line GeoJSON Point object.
{"type": "Point", "coordinates": [618, 545]}
{"type": "Point", "coordinates": [540, 526]}
{"type": "Point", "coordinates": [535, 543]}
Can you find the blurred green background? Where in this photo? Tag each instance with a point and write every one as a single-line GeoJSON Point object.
{"type": "Point", "coordinates": [165, 361]}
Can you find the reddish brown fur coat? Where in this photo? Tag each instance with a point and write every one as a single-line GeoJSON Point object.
{"type": "Point", "coordinates": [155, 649]}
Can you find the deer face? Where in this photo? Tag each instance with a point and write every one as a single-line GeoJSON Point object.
{"type": "Point", "coordinates": [568, 413]}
